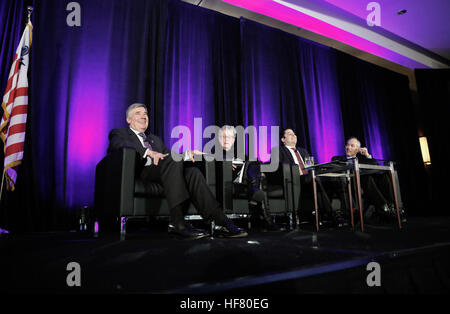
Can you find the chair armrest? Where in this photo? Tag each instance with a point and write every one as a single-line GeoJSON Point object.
{"type": "Point", "coordinates": [296, 186]}
{"type": "Point", "coordinates": [224, 184]}
{"type": "Point", "coordinates": [278, 177]}
{"type": "Point", "coordinates": [210, 175]}
{"type": "Point", "coordinates": [114, 183]}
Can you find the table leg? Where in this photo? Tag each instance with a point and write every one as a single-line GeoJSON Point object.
{"type": "Point", "coordinates": [350, 199]}
{"type": "Point", "coordinates": [394, 187]}
{"type": "Point", "coordinates": [358, 193]}
{"type": "Point", "coordinates": [316, 207]}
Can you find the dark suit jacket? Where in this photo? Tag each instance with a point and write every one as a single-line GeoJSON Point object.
{"type": "Point", "coordinates": [361, 158]}
{"type": "Point", "coordinates": [287, 158]}
{"type": "Point", "coordinates": [119, 138]}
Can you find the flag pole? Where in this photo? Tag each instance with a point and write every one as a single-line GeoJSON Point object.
{"type": "Point", "coordinates": [1, 190]}
{"type": "Point", "coordinates": [30, 10]}
{"type": "Point", "coordinates": [2, 231]}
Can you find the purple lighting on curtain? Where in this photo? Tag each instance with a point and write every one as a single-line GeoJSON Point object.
{"type": "Point", "coordinates": [375, 132]}
{"type": "Point", "coordinates": [188, 73]}
{"type": "Point", "coordinates": [87, 114]}
{"type": "Point", "coordinates": [261, 83]}
{"type": "Point", "coordinates": [322, 101]}
{"type": "Point", "coordinates": [375, 144]}
{"type": "Point", "coordinates": [372, 112]}
{"type": "Point", "coordinates": [84, 136]}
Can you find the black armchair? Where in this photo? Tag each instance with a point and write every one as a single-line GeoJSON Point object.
{"type": "Point", "coordinates": [120, 194]}
{"type": "Point", "coordinates": [283, 191]}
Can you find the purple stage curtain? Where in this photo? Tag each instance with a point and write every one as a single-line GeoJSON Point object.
{"type": "Point", "coordinates": [200, 73]}
{"type": "Point", "coordinates": [272, 92]}
{"type": "Point", "coordinates": [321, 90]}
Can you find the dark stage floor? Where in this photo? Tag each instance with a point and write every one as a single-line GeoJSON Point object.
{"type": "Point", "coordinates": [415, 259]}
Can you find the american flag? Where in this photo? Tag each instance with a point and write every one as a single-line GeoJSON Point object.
{"type": "Point", "coordinates": [15, 106]}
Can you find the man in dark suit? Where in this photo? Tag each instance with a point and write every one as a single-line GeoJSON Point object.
{"type": "Point", "coordinates": [181, 184]}
{"type": "Point", "coordinates": [377, 189]}
{"type": "Point", "coordinates": [290, 153]}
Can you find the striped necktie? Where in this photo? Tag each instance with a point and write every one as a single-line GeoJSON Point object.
{"type": "Point", "coordinates": [146, 143]}
{"type": "Point", "coordinates": [300, 162]}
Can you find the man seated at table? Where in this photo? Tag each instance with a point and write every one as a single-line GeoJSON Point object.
{"type": "Point", "coordinates": [376, 187]}
{"type": "Point", "coordinates": [290, 153]}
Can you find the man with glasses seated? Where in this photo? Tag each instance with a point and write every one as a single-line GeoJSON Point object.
{"type": "Point", "coordinates": [247, 174]}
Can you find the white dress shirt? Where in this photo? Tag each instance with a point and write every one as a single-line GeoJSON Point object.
{"type": "Point", "coordinates": [293, 154]}
{"type": "Point", "coordinates": [141, 139]}
{"type": "Point", "coordinates": [186, 154]}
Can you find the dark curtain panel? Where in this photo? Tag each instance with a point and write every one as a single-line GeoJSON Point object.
{"type": "Point", "coordinates": [401, 126]}
{"type": "Point", "coordinates": [363, 92]}
{"type": "Point", "coordinates": [349, 97]}
{"type": "Point", "coordinates": [226, 60]}
{"type": "Point", "coordinates": [433, 87]}
{"type": "Point", "coordinates": [136, 55]}
{"type": "Point", "coordinates": [321, 89]}
{"type": "Point", "coordinates": [271, 82]}
{"type": "Point", "coordinates": [201, 85]}
{"type": "Point", "coordinates": [372, 95]}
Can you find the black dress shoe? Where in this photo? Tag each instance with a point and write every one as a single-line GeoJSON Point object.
{"type": "Point", "coordinates": [186, 231]}
{"type": "Point", "coordinates": [229, 230]}
{"type": "Point", "coordinates": [341, 222]}
{"type": "Point", "coordinates": [269, 225]}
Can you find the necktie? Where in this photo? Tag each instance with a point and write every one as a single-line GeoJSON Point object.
{"type": "Point", "coordinates": [300, 162]}
{"type": "Point", "coordinates": [146, 143]}
{"type": "Point", "coordinates": [351, 160]}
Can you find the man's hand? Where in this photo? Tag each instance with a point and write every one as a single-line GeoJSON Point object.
{"type": "Point", "coordinates": [156, 156]}
{"type": "Point", "coordinates": [192, 153]}
{"type": "Point", "coordinates": [363, 151]}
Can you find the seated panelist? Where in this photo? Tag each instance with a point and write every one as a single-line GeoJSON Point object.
{"type": "Point", "coordinates": [247, 173]}
{"type": "Point", "coordinates": [377, 188]}
{"type": "Point", "coordinates": [290, 153]}
{"type": "Point", "coordinates": [182, 185]}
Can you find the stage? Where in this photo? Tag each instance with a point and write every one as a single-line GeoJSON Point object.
{"type": "Point", "coordinates": [414, 260]}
